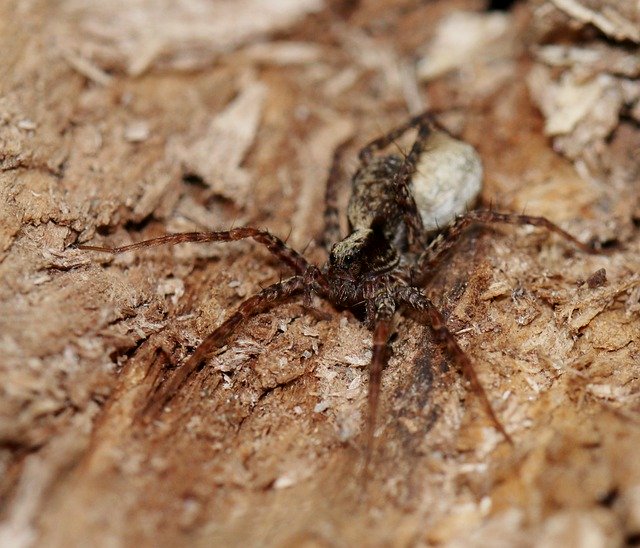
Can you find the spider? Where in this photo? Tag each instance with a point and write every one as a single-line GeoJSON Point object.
{"type": "Point", "coordinates": [405, 213]}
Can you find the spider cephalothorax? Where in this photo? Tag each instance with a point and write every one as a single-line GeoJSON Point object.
{"type": "Point", "coordinates": [404, 214]}
{"type": "Point", "coordinates": [365, 252]}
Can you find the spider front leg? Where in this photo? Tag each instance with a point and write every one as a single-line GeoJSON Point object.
{"type": "Point", "coordinates": [275, 245]}
{"type": "Point", "coordinates": [384, 308]}
{"type": "Point", "coordinates": [450, 235]}
{"type": "Point", "coordinates": [267, 298]}
{"type": "Point", "coordinates": [430, 315]}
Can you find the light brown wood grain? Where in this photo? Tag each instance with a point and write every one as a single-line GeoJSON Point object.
{"type": "Point", "coordinates": [263, 446]}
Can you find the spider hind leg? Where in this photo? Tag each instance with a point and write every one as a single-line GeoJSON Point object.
{"type": "Point", "coordinates": [331, 233]}
{"type": "Point", "coordinates": [402, 179]}
{"type": "Point", "coordinates": [431, 316]}
{"type": "Point", "coordinates": [269, 297]}
{"type": "Point", "coordinates": [450, 235]}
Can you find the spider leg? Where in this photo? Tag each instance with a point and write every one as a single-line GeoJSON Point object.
{"type": "Point", "coordinates": [450, 235]}
{"type": "Point", "coordinates": [275, 245]}
{"type": "Point", "coordinates": [430, 315]}
{"type": "Point", "coordinates": [402, 180]}
{"type": "Point", "coordinates": [384, 310]}
{"type": "Point", "coordinates": [389, 138]}
{"type": "Point", "coordinates": [315, 282]}
{"type": "Point", "coordinates": [331, 233]}
{"type": "Point", "coordinates": [267, 298]}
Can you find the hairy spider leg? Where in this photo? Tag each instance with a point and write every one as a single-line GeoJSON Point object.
{"type": "Point", "coordinates": [402, 180]}
{"type": "Point", "coordinates": [269, 297]}
{"type": "Point", "coordinates": [384, 310]}
{"type": "Point", "coordinates": [389, 138]}
{"type": "Point", "coordinates": [406, 201]}
{"type": "Point", "coordinates": [450, 235]}
{"type": "Point", "coordinates": [275, 245]}
{"type": "Point", "coordinates": [331, 234]}
{"type": "Point", "coordinates": [431, 316]}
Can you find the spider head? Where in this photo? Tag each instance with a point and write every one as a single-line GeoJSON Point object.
{"type": "Point", "coordinates": [363, 252]}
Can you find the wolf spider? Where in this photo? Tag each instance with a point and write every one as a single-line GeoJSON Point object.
{"type": "Point", "coordinates": [376, 267]}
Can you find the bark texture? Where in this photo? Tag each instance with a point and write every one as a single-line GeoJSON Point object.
{"type": "Point", "coordinates": [121, 121]}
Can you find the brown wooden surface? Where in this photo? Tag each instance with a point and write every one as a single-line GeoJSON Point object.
{"type": "Point", "coordinates": [112, 131]}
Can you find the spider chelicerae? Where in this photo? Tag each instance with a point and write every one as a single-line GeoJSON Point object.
{"type": "Point", "coordinates": [405, 213]}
